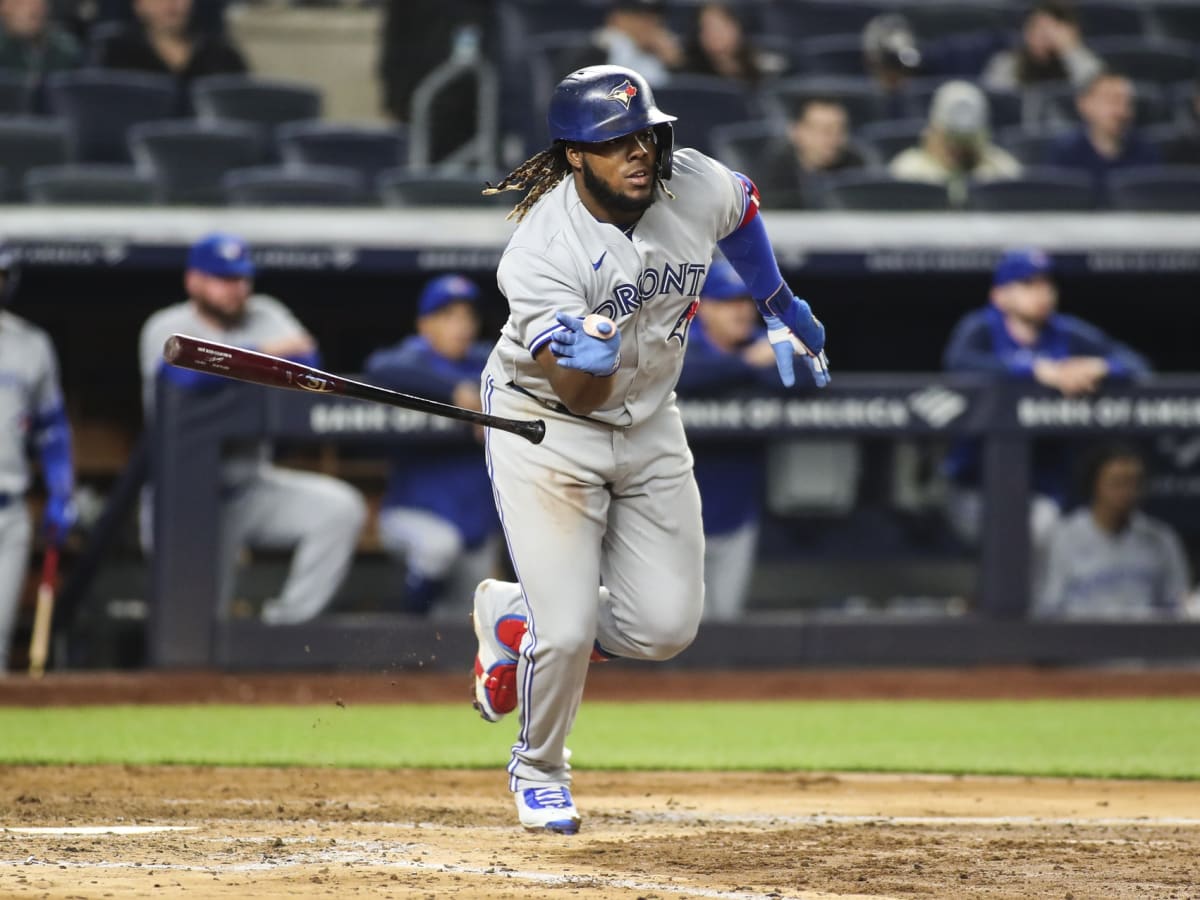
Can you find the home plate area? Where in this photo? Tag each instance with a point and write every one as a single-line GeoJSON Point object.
{"type": "Point", "coordinates": [220, 832]}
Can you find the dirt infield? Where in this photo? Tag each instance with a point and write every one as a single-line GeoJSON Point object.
{"type": "Point", "coordinates": [297, 833]}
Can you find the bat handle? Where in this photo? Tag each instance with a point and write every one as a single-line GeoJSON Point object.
{"type": "Point", "coordinates": [39, 641]}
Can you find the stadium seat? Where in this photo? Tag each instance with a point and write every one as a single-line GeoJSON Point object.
{"type": "Point", "coordinates": [1031, 148]}
{"type": "Point", "coordinates": [399, 187]}
{"type": "Point", "coordinates": [874, 191]}
{"type": "Point", "coordinates": [15, 96]}
{"type": "Point", "coordinates": [892, 136]}
{"type": "Point", "coordinates": [1054, 106]}
{"type": "Point", "coordinates": [265, 102]}
{"type": "Point", "coordinates": [1177, 145]}
{"type": "Point", "coordinates": [747, 146]}
{"type": "Point", "coordinates": [1103, 18]}
{"type": "Point", "coordinates": [1156, 189]}
{"type": "Point", "coordinates": [1178, 20]}
{"type": "Point", "coordinates": [294, 186]}
{"type": "Point", "coordinates": [810, 18]}
{"type": "Point", "coordinates": [1162, 61]}
{"type": "Point", "coordinates": [702, 103]}
{"type": "Point", "coordinates": [368, 149]}
{"type": "Point", "coordinates": [830, 54]}
{"type": "Point", "coordinates": [931, 21]}
{"type": "Point", "coordinates": [1039, 189]}
{"type": "Point", "coordinates": [101, 105]}
{"type": "Point", "coordinates": [188, 158]}
{"type": "Point", "coordinates": [93, 184]}
{"type": "Point", "coordinates": [27, 142]}
{"type": "Point", "coordinates": [863, 101]}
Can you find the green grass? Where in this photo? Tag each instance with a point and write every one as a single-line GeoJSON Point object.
{"type": "Point", "coordinates": [1154, 738]}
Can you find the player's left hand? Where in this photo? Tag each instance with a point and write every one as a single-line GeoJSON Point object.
{"type": "Point", "coordinates": [59, 517]}
{"type": "Point", "coordinates": [795, 331]}
{"type": "Point", "coordinates": [576, 349]}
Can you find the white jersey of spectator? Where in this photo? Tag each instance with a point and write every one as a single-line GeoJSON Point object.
{"type": "Point", "coordinates": [562, 258]}
{"type": "Point", "coordinates": [1139, 573]}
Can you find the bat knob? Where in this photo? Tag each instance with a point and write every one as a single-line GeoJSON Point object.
{"type": "Point", "coordinates": [171, 349]}
{"type": "Point", "coordinates": [591, 325]}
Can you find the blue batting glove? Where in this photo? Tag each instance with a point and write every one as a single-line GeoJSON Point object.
{"type": "Point", "coordinates": [787, 347]}
{"type": "Point", "coordinates": [576, 349]}
{"type": "Point", "coordinates": [797, 315]}
{"type": "Point", "coordinates": [59, 517]}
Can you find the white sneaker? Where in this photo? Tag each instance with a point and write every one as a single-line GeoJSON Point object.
{"type": "Point", "coordinates": [548, 808]}
{"type": "Point", "coordinates": [494, 687]}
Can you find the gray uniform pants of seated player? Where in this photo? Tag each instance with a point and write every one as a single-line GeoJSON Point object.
{"type": "Point", "coordinates": [16, 532]}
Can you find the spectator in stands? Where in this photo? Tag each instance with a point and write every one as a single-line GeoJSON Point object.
{"type": "Point", "coordinates": [163, 41]}
{"type": "Point", "coordinates": [1106, 140]}
{"type": "Point", "coordinates": [818, 143]}
{"type": "Point", "coordinates": [1019, 336]}
{"type": "Point", "coordinates": [635, 35]}
{"type": "Point", "coordinates": [438, 517]}
{"type": "Point", "coordinates": [418, 36]}
{"type": "Point", "coordinates": [956, 145]}
{"type": "Point", "coordinates": [1109, 560]}
{"type": "Point", "coordinates": [318, 517]}
{"type": "Point", "coordinates": [719, 46]}
{"type": "Point", "coordinates": [207, 16]}
{"type": "Point", "coordinates": [892, 58]}
{"type": "Point", "coordinates": [30, 42]}
{"type": "Point", "coordinates": [31, 408]}
{"type": "Point", "coordinates": [727, 352]}
{"type": "Point", "coordinates": [1051, 50]}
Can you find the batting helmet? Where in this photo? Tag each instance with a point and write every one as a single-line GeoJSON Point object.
{"type": "Point", "coordinates": [600, 103]}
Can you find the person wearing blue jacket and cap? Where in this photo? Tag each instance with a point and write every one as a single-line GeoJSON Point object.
{"type": "Point", "coordinates": [438, 517]}
{"type": "Point", "coordinates": [1020, 336]}
{"type": "Point", "coordinates": [728, 352]}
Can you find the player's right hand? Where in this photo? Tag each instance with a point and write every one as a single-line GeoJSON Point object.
{"type": "Point", "coordinates": [574, 348]}
{"type": "Point", "coordinates": [59, 517]}
{"type": "Point", "coordinates": [787, 347]}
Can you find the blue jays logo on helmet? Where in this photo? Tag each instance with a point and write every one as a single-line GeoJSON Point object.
{"type": "Point", "coordinates": [602, 103]}
{"type": "Point", "coordinates": [623, 93]}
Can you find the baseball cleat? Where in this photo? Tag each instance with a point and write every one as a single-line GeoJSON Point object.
{"type": "Point", "coordinates": [548, 808]}
{"type": "Point", "coordinates": [495, 683]}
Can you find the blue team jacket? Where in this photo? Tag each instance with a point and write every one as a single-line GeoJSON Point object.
{"type": "Point", "coordinates": [730, 474]}
{"type": "Point", "coordinates": [981, 343]}
{"type": "Point", "coordinates": [449, 481]}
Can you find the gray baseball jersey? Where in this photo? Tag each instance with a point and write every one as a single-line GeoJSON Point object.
{"type": "Point", "coordinates": [318, 516]}
{"type": "Point", "coordinates": [562, 258]}
{"type": "Point", "coordinates": [611, 497]}
{"type": "Point", "coordinates": [1139, 573]}
{"type": "Point", "coordinates": [29, 388]}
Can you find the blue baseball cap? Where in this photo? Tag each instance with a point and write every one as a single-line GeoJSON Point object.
{"type": "Point", "coordinates": [723, 283]}
{"type": "Point", "coordinates": [1021, 265]}
{"type": "Point", "coordinates": [223, 255]}
{"type": "Point", "coordinates": [443, 291]}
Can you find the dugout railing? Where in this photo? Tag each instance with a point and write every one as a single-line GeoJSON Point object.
{"type": "Point", "coordinates": [190, 431]}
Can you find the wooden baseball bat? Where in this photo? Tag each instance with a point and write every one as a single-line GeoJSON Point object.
{"type": "Point", "coordinates": [39, 641]}
{"type": "Point", "coordinates": [260, 368]}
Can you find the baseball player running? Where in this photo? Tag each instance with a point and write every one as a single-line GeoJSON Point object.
{"type": "Point", "coordinates": [616, 223]}
{"type": "Point", "coordinates": [31, 411]}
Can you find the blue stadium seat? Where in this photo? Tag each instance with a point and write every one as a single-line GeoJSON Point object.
{"type": "Point", "coordinates": [931, 21]}
{"type": "Point", "coordinates": [15, 96]}
{"type": "Point", "coordinates": [1104, 18]}
{"type": "Point", "coordinates": [188, 158]}
{"type": "Point", "coordinates": [1156, 189]}
{"type": "Point", "coordinates": [830, 54]}
{"type": "Point", "coordinates": [1031, 148]}
{"type": "Point", "coordinates": [264, 102]}
{"type": "Point", "coordinates": [1177, 145]}
{"type": "Point", "coordinates": [93, 184]}
{"type": "Point", "coordinates": [101, 105]}
{"type": "Point", "coordinates": [746, 146]}
{"type": "Point", "coordinates": [1162, 61]}
{"type": "Point", "coordinates": [875, 191]}
{"type": "Point", "coordinates": [1175, 19]}
{"type": "Point", "coordinates": [27, 142]}
{"type": "Point", "coordinates": [702, 103]}
{"type": "Point", "coordinates": [1039, 189]}
{"type": "Point", "coordinates": [294, 186]}
{"type": "Point", "coordinates": [368, 149]}
{"type": "Point", "coordinates": [892, 136]}
{"type": "Point", "coordinates": [400, 187]}
{"type": "Point", "coordinates": [864, 102]}
{"type": "Point", "coordinates": [810, 18]}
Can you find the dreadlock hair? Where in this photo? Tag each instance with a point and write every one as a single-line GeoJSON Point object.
{"type": "Point", "coordinates": [537, 175]}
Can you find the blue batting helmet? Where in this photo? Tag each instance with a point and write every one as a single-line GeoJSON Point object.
{"type": "Point", "coordinates": [600, 103]}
